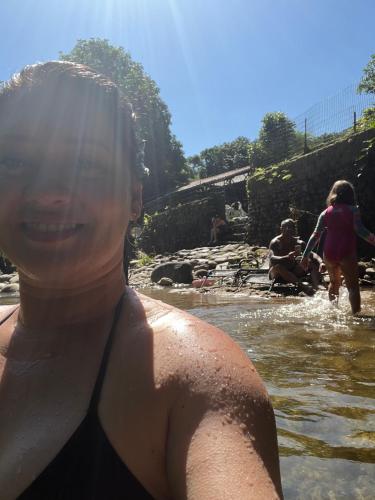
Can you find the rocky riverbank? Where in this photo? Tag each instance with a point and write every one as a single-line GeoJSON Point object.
{"type": "Point", "coordinates": [189, 268]}
{"type": "Point", "coordinates": [200, 260]}
{"type": "Point", "coordinates": [217, 262]}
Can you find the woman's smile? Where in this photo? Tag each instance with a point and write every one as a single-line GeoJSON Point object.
{"type": "Point", "coordinates": [49, 233]}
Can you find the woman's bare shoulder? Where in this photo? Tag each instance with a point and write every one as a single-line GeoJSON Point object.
{"type": "Point", "coordinates": [6, 310]}
{"type": "Point", "coordinates": [186, 348]}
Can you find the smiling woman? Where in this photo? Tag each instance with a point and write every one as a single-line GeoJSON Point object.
{"type": "Point", "coordinates": [60, 130]}
{"type": "Point", "coordinates": [105, 393]}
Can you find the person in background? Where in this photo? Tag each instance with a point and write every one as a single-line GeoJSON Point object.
{"type": "Point", "coordinates": [285, 256]}
{"type": "Point", "coordinates": [219, 227]}
{"type": "Point", "coordinates": [234, 211]}
{"type": "Point", "coordinates": [106, 393]}
{"type": "Point", "coordinates": [238, 211]}
{"type": "Point", "coordinates": [342, 221]}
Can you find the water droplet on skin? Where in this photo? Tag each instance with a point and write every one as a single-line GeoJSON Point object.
{"type": "Point", "coordinates": [228, 419]}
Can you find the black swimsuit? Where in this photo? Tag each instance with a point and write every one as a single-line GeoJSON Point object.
{"type": "Point", "coordinates": [87, 467]}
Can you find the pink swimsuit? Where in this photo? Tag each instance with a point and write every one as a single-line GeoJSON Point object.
{"type": "Point", "coordinates": [343, 224]}
{"type": "Point", "coordinates": [341, 238]}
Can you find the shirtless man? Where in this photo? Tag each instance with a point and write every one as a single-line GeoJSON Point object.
{"type": "Point", "coordinates": [285, 256]}
{"type": "Point", "coordinates": [105, 393]}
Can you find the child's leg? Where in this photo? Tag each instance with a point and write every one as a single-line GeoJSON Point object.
{"type": "Point", "coordinates": [349, 267]}
{"type": "Point", "coordinates": [334, 272]}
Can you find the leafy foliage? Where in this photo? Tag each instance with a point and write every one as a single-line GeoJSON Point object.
{"type": "Point", "coordinates": [367, 84]}
{"type": "Point", "coordinates": [143, 259]}
{"type": "Point", "coordinates": [367, 119]}
{"type": "Point", "coordinates": [220, 159]}
{"type": "Point", "coordinates": [163, 154]}
{"type": "Point", "coordinates": [277, 140]}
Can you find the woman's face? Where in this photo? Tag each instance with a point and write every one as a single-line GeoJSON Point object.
{"type": "Point", "coordinates": [65, 190]}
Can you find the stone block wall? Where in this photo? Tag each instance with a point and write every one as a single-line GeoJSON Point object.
{"type": "Point", "coordinates": [299, 188]}
{"type": "Point", "coordinates": [184, 226]}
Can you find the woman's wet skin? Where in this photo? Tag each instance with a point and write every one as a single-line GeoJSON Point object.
{"type": "Point", "coordinates": [64, 208]}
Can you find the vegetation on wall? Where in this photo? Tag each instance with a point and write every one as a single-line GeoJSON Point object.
{"type": "Point", "coordinates": [367, 83]}
{"type": "Point", "coordinates": [278, 141]}
{"type": "Point", "coordinates": [183, 226]}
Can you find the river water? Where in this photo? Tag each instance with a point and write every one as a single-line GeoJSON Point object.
{"type": "Point", "coordinates": [318, 363]}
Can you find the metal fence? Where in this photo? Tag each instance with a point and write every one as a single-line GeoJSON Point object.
{"type": "Point", "coordinates": [327, 121]}
{"type": "Point", "coordinates": [335, 114]}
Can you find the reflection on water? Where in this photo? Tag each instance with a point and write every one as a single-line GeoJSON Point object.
{"type": "Point", "coordinates": [318, 363]}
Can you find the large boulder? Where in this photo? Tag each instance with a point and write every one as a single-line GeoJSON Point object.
{"type": "Point", "coordinates": [179, 272]}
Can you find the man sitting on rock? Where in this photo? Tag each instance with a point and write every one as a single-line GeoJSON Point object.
{"type": "Point", "coordinates": [285, 257]}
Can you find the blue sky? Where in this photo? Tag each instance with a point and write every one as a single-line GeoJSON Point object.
{"type": "Point", "coordinates": [220, 64]}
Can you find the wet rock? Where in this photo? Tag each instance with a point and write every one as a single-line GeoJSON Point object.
{"type": "Point", "coordinates": [179, 272]}
{"type": "Point", "coordinates": [201, 266]}
{"type": "Point", "coordinates": [201, 273]}
{"type": "Point", "coordinates": [370, 271]}
{"type": "Point", "coordinates": [211, 264]}
{"type": "Point", "coordinates": [165, 282]}
{"type": "Point", "coordinates": [362, 266]}
{"type": "Point", "coordinates": [5, 278]}
{"type": "Point", "coordinates": [10, 288]}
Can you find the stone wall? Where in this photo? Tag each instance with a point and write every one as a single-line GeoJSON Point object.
{"type": "Point", "coordinates": [184, 226]}
{"type": "Point", "coordinates": [298, 189]}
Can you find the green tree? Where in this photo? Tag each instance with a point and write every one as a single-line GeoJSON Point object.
{"type": "Point", "coordinates": [163, 154]}
{"type": "Point", "coordinates": [277, 141]}
{"type": "Point", "coordinates": [277, 137]}
{"type": "Point", "coordinates": [257, 155]}
{"type": "Point", "coordinates": [222, 158]}
{"type": "Point", "coordinates": [196, 166]}
{"type": "Point", "coordinates": [367, 83]}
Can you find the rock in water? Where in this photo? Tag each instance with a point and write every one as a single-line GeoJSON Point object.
{"type": "Point", "coordinates": [179, 272]}
{"type": "Point", "coordinates": [165, 282]}
{"type": "Point", "coordinates": [10, 288]}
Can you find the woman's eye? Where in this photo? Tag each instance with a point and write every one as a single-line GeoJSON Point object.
{"type": "Point", "coordinates": [12, 166]}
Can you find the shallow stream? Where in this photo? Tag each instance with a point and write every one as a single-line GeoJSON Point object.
{"type": "Point", "coordinates": [318, 363]}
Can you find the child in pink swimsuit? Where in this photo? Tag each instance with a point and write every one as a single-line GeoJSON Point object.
{"type": "Point", "coordinates": [342, 221]}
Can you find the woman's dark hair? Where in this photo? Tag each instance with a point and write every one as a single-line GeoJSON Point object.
{"type": "Point", "coordinates": [341, 192]}
{"type": "Point", "coordinates": [62, 78]}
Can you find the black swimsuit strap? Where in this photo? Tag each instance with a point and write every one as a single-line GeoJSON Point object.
{"type": "Point", "coordinates": [104, 362]}
{"type": "Point", "coordinates": [8, 314]}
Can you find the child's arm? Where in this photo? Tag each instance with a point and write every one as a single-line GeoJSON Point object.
{"type": "Point", "coordinates": [314, 238]}
{"type": "Point", "coordinates": [360, 229]}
